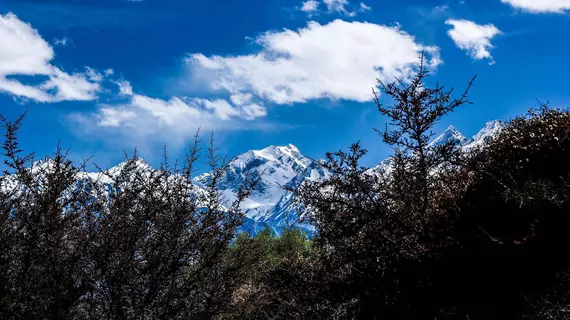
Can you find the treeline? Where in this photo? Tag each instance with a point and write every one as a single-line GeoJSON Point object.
{"type": "Point", "coordinates": [439, 233]}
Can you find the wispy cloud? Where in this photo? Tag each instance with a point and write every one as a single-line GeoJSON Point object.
{"type": "Point", "coordinates": [63, 42]}
{"type": "Point", "coordinates": [473, 38]}
{"type": "Point", "coordinates": [125, 87]}
{"type": "Point", "coordinates": [144, 121]}
{"type": "Point", "coordinates": [341, 7]}
{"type": "Point", "coordinates": [336, 5]}
{"type": "Point", "coordinates": [364, 7]}
{"type": "Point", "coordinates": [440, 8]}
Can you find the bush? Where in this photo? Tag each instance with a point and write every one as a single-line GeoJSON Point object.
{"type": "Point", "coordinates": [134, 244]}
{"type": "Point", "coordinates": [513, 216]}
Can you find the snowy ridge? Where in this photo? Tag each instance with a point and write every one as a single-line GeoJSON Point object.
{"type": "Point", "coordinates": [270, 205]}
{"type": "Point", "coordinates": [490, 130]}
{"type": "Point", "coordinates": [450, 134]}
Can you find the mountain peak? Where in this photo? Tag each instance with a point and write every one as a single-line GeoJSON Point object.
{"type": "Point", "coordinates": [139, 163]}
{"type": "Point", "coordinates": [276, 165]}
{"type": "Point", "coordinates": [450, 134]}
{"type": "Point", "coordinates": [274, 148]}
{"type": "Point", "coordinates": [46, 163]}
{"type": "Point", "coordinates": [292, 147]}
{"type": "Point", "coordinates": [490, 130]}
{"type": "Point", "coordinates": [274, 153]}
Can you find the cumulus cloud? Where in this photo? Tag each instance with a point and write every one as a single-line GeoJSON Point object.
{"type": "Point", "coordinates": [339, 60]}
{"type": "Point", "coordinates": [473, 38]}
{"type": "Point", "coordinates": [25, 53]}
{"type": "Point", "coordinates": [540, 6]}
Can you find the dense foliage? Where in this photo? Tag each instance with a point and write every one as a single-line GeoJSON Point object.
{"type": "Point", "coordinates": [434, 233]}
{"type": "Point", "coordinates": [137, 244]}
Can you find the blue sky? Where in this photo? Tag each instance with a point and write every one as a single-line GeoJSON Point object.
{"type": "Point", "coordinates": [106, 75]}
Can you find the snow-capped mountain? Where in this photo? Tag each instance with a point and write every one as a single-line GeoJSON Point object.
{"type": "Point", "coordinates": [270, 205]}
{"type": "Point", "coordinates": [491, 129]}
{"type": "Point", "coordinates": [450, 134]}
{"type": "Point", "coordinates": [276, 166]}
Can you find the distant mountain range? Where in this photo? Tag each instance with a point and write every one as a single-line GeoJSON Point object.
{"type": "Point", "coordinates": [271, 205]}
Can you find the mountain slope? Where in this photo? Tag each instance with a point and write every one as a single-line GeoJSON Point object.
{"type": "Point", "coordinates": [270, 205]}
{"type": "Point", "coordinates": [277, 167]}
{"type": "Point", "coordinates": [450, 134]}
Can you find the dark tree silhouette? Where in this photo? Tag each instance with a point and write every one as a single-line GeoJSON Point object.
{"type": "Point", "coordinates": [373, 223]}
{"type": "Point", "coordinates": [416, 109]}
{"type": "Point", "coordinates": [137, 243]}
{"type": "Point", "coordinates": [433, 232]}
{"type": "Point", "coordinates": [513, 215]}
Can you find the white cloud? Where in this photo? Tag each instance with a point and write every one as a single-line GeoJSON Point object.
{"type": "Point", "coordinates": [115, 116]}
{"type": "Point", "coordinates": [18, 89]}
{"type": "Point", "coordinates": [25, 53]}
{"type": "Point", "coordinates": [364, 7]}
{"type": "Point", "coordinates": [440, 8]}
{"type": "Point", "coordinates": [61, 42]}
{"type": "Point", "coordinates": [310, 6]}
{"type": "Point", "coordinates": [253, 111]}
{"type": "Point", "coordinates": [540, 6]}
{"type": "Point", "coordinates": [336, 5]}
{"type": "Point", "coordinates": [343, 7]}
{"type": "Point", "coordinates": [241, 98]}
{"type": "Point", "coordinates": [77, 86]}
{"type": "Point", "coordinates": [473, 38]}
{"type": "Point", "coordinates": [221, 108]}
{"type": "Point", "coordinates": [93, 75]}
{"type": "Point", "coordinates": [144, 119]}
{"type": "Point", "coordinates": [125, 87]}
{"type": "Point", "coordinates": [339, 60]}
